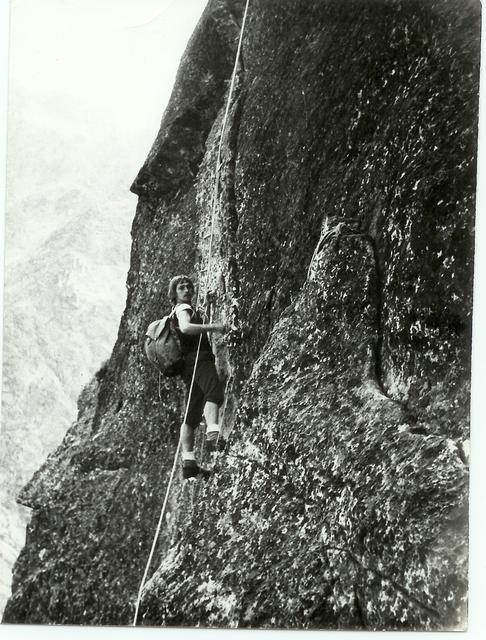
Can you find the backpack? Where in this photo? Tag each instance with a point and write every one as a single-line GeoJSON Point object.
{"type": "Point", "coordinates": [163, 347]}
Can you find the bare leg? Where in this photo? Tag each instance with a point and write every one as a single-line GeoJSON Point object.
{"type": "Point", "coordinates": [211, 413]}
{"type": "Point", "coordinates": [187, 438]}
{"type": "Point", "coordinates": [190, 468]}
{"type": "Point", "coordinates": [214, 440]}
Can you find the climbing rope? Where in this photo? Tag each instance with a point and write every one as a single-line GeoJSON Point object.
{"type": "Point", "coordinates": [220, 145]}
{"type": "Point", "coordinates": [166, 499]}
{"type": "Point", "coordinates": [213, 217]}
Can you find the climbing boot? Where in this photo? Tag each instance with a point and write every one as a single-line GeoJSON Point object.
{"type": "Point", "coordinates": [213, 445]}
{"type": "Point", "coordinates": [190, 469]}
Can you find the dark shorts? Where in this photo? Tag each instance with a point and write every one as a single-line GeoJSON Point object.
{"type": "Point", "coordinates": [206, 388]}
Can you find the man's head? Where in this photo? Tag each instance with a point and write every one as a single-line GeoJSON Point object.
{"type": "Point", "coordinates": [181, 289]}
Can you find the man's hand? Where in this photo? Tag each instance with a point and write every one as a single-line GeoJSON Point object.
{"type": "Point", "coordinates": [220, 327]}
{"type": "Point", "coordinates": [210, 297]}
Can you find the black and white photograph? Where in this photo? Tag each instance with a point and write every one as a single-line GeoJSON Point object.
{"type": "Point", "coordinates": [241, 330]}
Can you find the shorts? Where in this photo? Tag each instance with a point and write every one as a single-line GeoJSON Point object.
{"type": "Point", "coordinates": [206, 388]}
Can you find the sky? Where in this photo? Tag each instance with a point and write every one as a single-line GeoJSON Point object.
{"type": "Point", "coordinates": [114, 60]}
{"type": "Point", "coordinates": [119, 57]}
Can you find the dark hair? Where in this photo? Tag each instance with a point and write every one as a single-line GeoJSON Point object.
{"type": "Point", "coordinates": [173, 285]}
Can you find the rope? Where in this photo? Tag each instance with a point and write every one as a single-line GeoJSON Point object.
{"type": "Point", "coordinates": [213, 217]}
{"type": "Point", "coordinates": [220, 146]}
{"type": "Point", "coordinates": [166, 499]}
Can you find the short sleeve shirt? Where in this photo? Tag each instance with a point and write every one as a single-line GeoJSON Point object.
{"type": "Point", "coordinates": [189, 343]}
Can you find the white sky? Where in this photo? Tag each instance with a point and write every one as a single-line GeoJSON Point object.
{"type": "Point", "coordinates": [119, 56]}
{"type": "Point", "coordinates": [98, 75]}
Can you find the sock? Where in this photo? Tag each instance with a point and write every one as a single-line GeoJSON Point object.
{"type": "Point", "coordinates": [188, 456]}
{"type": "Point", "coordinates": [212, 432]}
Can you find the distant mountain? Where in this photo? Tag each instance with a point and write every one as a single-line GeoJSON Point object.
{"type": "Point", "coordinates": [67, 254]}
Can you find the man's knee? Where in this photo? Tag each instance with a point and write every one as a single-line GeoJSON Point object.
{"type": "Point", "coordinates": [216, 395]}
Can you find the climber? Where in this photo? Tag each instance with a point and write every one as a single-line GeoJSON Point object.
{"type": "Point", "coordinates": [207, 392]}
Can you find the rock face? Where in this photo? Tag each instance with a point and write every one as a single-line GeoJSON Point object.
{"type": "Point", "coordinates": [343, 257]}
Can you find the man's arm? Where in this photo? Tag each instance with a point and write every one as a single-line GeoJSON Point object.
{"type": "Point", "coordinates": [193, 329]}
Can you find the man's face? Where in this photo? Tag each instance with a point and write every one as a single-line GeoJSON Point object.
{"type": "Point", "coordinates": [184, 291]}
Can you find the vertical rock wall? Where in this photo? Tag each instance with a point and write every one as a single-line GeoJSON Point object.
{"type": "Point", "coordinates": [343, 257]}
